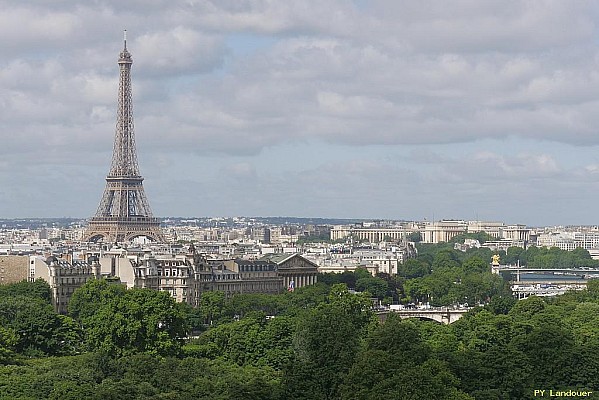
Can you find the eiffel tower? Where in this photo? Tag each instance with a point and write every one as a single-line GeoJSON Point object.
{"type": "Point", "coordinates": [124, 212]}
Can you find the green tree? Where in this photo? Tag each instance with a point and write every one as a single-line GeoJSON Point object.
{"type": "Point", "coordinates": [478, 288]}
{"type": "Point", "coordinates": [417, 290]}
{"type": "Point", "coordinates": [531, 253]}
{"type": "Point", "coordinates": [39, 329]}
{"type": "Point", "coordinates": [8, 342]}
{"type": "Point", "coordinates": [584, 323]}
{"type": "Point", "coordinates": [592, 289]}
{"type": "Point", "coordinates": [400, 339]}
{"type": "Point", "coordinates": [515, 255]}
{"type": "Point", "coordinates": [305, 297]}
{"type": "Point", "coordinates": [241, 304]}
{"type": "Point", "coordinates": [475, 264]}
{"type": "Point", "coordinates": [361, 273]}
{"type": "Point", "coordinates": [413, 268]}
{"type": "Point", "coordinates": [551, 345]}
{"type": "Point", "coordinates": [483, 330]}
{"type": "Point", "coordinates": [212, 306]}
{"type": "Point", "coordinates": [193, 317]}
{"type": "Point", "coordinates": [87, 299]}
{"type": "Point", "coordinates": [526, 309]}
{"type": "Point", "coordinates": [479, 374]}
{"type": "Point", "coordinates": [398, 364]}
{"type": "Point", "coordinates": [484, 254]}
{"type": "Point", "coordinates": [325, 344]}
{"type": "Point", "coordinates": [142, 320]}
{"type": "Point", "coordinates": [446, 259]}
{"type": "Point", "coordinates": [251, 341]}
{"type": "Point", "coordinates": [441, 282]}
{"type": "Point", "coordinates": [500, 304]}
{"type": "Point", "coordinates": [415, 237]}
{"type": "Point", "coordinates": [356, 305]}
{"type": "Point", "coordinates": [38, 289]}
{"type": "Point", "coordinates": [375, 286]}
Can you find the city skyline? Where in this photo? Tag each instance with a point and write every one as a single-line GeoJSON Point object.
{"type": "Point", "coordinates": [349, 109]}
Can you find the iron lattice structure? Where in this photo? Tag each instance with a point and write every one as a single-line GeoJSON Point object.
{"type": "Point", "coordinates": [124, 211]}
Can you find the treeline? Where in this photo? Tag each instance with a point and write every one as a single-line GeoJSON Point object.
{"type": "Point", "coordinates": [318, 342]}
{"type": "Point", "coordinates": [532, 256]}
{"type": "Point", "coordinates": [324, 344]}
{"type": "Point", "coordinates": [439, 276]}
{"type": "Point", "coordinates": [543, 257]}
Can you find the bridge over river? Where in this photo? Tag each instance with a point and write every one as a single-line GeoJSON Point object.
{"type": "Point", "coordinates": [553, 274]}
{"type": "Point", "coordinates": [526, 282]}
{"type": "Point", "coordinates": [443, 315]}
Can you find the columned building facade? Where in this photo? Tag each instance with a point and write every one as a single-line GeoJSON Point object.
{"type": "Point", "coordinates": [295, 270]}
{"type": "Point", "coordinates": [373, 235]}
{"type": "Point", "coordinates": [443, 231]}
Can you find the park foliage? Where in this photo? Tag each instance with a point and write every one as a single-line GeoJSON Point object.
{"type": "Point", "coordinates": [318, 342]}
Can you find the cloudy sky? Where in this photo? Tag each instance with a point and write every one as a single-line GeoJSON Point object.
{"type": "Point", "coordinates": [352, 109]}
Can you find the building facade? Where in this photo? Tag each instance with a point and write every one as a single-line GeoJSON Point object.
{"type": "Point", "coordinates": [63, 277]}
{"type": "Point", "coordinates": [295, 270]}
{"type": "Point", "coordinates": [445, 230]}
{"type": "Point", "coordinates": [13, 269]}
{"type": "Point", "coordinates": [184, 276]}
{"type": "Point", "coordinates": [373, 235]}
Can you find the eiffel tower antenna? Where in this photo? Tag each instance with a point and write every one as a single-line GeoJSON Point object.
{"type": "Point", "coordinates": [124, 211]}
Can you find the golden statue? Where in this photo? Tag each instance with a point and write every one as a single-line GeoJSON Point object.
{"type": "Point", "coordinates": [495, 259]}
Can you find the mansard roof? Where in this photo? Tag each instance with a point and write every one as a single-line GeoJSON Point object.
{"type": "Point", "coordinates": [261, 261]}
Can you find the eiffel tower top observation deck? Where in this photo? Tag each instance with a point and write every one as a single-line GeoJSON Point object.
{"type": "Point", "coordinates": [124, 212]}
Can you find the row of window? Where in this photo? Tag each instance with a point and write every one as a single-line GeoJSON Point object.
{"type": "Point", "coordinates": [174, 272]}
{"type": "Point", "coordinates": [168, 282]}
{"type": "Point", "coordinates": [252, 268]}
{"type": "Point", "coordinates": [73, 281]}
{"type": "Point", "coordinates": [259, 275]}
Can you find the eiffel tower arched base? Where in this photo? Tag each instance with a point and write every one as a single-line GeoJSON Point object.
{"type": "Point", "coordinates": [114, 229]}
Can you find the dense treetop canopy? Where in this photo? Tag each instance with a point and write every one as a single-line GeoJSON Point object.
{"type": "Point", "coordinates": [319, 342]}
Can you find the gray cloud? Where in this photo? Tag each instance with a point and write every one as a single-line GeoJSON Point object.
{"type": "Point", "coordinates": [320, 80]}
{"type": "Point", "coordinates": [234, 80]}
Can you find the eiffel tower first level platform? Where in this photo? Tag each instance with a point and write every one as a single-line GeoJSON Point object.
{"type": "Point", "coordinates": [122, 214]}
{"type": "Point", "coordinates": [115, 229]}
{"type": "Point", "coordinates": [124, 211]}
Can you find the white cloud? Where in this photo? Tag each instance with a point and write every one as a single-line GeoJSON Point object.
{"type": "Point", "coordinates": [176, 51]}
{"type": "Point", "coordinates": [234, 80]}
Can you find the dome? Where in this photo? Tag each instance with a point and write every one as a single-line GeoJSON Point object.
{"type": "Point", "coordinates": [51, 259]}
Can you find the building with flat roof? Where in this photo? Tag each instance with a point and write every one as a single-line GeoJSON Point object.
{"type": "Point", "coordinates": [443, 231]}
{"type": "Point", "coordinates": [373, 235]}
